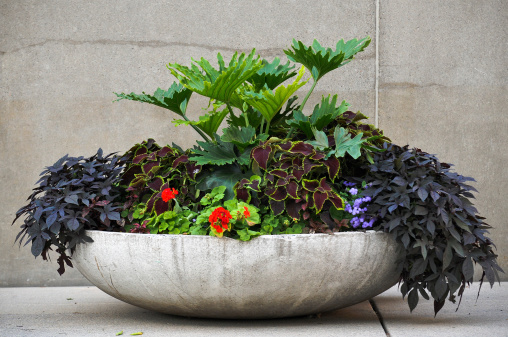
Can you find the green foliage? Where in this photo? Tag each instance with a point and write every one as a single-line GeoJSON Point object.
{"type": "Point", "coordinates": [175, 98]}
{"type": "Point", "coordinates": [217, 84]}
{"type": "Point", "coordinates": [269, 102]}
{"type": "Point", "coordinates": [322, 60]}
{"type": "Point", "coordinates": [208, 123]}
{"type": "Point", "coordinates": [321, 117]}
{"type": "Point", "coordinates": [271, 75]}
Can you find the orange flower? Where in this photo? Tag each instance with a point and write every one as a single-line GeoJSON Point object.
{"type": "Point", "coordinates": [168, 194]}
{"type": "Point", "coordinates": [246, 213]}
{"type": "Point", "coordinates": [220, 219]}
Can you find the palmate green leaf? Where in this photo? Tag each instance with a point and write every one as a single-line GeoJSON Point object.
{"type": "Point", "coordinates": [269, 102]}
{"type": "Point", "coordinates": [227, 175]}
{"type": "Point", "coordinates": [175, 98]}
{"type": "Point", "coordinates": [271, 75]}
{"type": "Point", "coordinates": [344, 143]}
{"type": "Point", "coordinates": [219, 153]}
{"type": "Point", "coordinates": [209, 123]}
{"type": "Point", "coordinates": [321, 142]}
{"type": "Point", "coordinates": [322, 115]}
{"type": "Point", "coordinates": [322, 60]}
{"type": "Point", "coordinates": [217, 84]}
{"type": "Point", "coordinates": [241, 137]}
{"type": "Point", "coordinates": [326, 112]}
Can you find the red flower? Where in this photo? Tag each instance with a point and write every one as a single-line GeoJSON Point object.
{"type": "Point", "coordinates": [168, 194]}
{"type": "Point", "coordinates": [220, 219]}
{"type": "Point", "coordinates": [246, 213]}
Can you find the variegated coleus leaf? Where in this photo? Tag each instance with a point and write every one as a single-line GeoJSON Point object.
{"type": "Point", "coordinates": [321, 192]}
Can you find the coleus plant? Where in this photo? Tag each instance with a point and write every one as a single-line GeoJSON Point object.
{"type": "Point", "coordinates": [274, 169]}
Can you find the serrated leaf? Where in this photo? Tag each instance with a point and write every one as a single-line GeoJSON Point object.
{"type": "Point", "coordinates": [344, 143]}
{"type": "Point", "coordinates": [216, 154]}
{"type": "Point", "coordinates": [322, 60]}
{"type": "Point", "coordinates": [321, 141]}
{"type": "Point", "coordinates": [269, 102]}
{"type": "Point", "coordinates": [209, 123]}
{"type": "Point", "coordinates": [217, 84]}
{"type": "Point", "coordinates": [242, 137]}
{"type": "Point", "coordinates": [271, 75]}
{"type": "Point", "coordinates": [175, 98]}
{"type": "Point", "coordinates": [226, 176]}
{"type": "Point", "coordinates": [326, 112]}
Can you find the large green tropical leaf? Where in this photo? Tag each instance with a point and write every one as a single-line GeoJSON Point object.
{"type": "Point", "coordinates": [322, 60]}
{"type": "Point", "coordinates": [219, 153]}
{"type": "Point", "coordinates": [227, 176]}
{"type": "Point", "coordinates": [241, 137]}
{"type": "Point", "coordinates": [269, 102]}
{"type": "Point", "coordinates": [271, 75]}
{"type": "Point", "coordinates": [175, 98]}
{"type": "Point", "coordinates": [322, 115]}
{"type": "Point", "coordinates": [208, 123]}
{"type": "Point", "coordinates": [327, 111]}
{"type": "Point", "coordinates": [217, 84]}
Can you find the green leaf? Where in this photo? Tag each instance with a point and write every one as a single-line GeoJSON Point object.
{"type": "Point", "coordinates": [322, 60]}
{"type": "Point", "coordinates": [208, 123]}
{"type": "Point", "coordinates": [271, 75]}
{"type": "Point", "coordinates": [119, 333]}
{"type": "Point", "coordinates": [344, 143]}
{"type": "Point", "coordinates": [321, 142]}
{"type": "Point", "coordinates": [175, 98]}
{"type": "Point", "coordinates": [241, 137]}
{"type": "Point", "coordinates": [216, 154]}
{"type": "Point", "coordinates": [217, 84]}
{"type": "Point", "coordinates": [301, 122]}
{"type": "Point", "coordinates": [226, 176]}
{"type": "Point", "coordinates": [327, 112]}
{"type": "Point", "coordinates": [269, 102]}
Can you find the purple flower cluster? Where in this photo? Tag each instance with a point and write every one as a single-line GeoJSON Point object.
{"type": "Point", "coordinates": [357, 209]}
{"type": "Point", "coordinates": [348, 184]}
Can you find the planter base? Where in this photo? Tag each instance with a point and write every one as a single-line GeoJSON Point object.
{"type": "Point", "coordinates": [268, 277]}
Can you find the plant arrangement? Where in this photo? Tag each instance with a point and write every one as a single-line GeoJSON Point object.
{"type": "Point", "coordinates": [271, 170]}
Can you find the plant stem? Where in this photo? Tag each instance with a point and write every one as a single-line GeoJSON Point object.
{"type": "Point", "coordinates": [197, 130]}
{"type": "Point", "coordinates": [308, 95]}
{"type": "Point", "coordinates": [230, 111]}
{"type": "Point", "coordinates": [303, 104]}
{"type": "Point", "coordinates": [267, 127]}
{"type": "Point", "coordinates": [262, 124]}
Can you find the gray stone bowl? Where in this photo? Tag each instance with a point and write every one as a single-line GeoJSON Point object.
{"type": "Point", "coordinates": [268, 277]}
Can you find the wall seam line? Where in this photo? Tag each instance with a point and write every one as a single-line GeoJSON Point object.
{"type": "Point", "coordinates": [376, 104]}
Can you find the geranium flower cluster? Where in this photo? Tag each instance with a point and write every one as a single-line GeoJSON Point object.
{"type": "Point", "coordinates": [168, 194]}
{"type": "Point", "coordinates": [219, 219]}
{"type": "Point", "coordinates": [359, 207]}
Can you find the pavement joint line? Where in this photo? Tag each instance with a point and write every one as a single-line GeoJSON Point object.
{"type": "Point", "coordinates": [379, 317]}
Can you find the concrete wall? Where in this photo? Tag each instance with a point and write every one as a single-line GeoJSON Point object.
{"type": "Point", "coordinates": [435, 78]}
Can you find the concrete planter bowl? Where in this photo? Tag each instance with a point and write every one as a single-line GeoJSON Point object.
{"type": "Point", "coordinates": [268, 277]}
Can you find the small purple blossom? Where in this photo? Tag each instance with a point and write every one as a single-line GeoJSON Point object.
{"type": "Point", "coordinates": [348, 184]}
{"type": "Point", "coordinates": [353, 191]}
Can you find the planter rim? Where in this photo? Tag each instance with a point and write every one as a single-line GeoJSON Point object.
{"type": "Point", "coordinates": [266, 236]}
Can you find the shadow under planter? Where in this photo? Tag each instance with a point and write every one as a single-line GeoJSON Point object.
{"type": "Point", "coordinates": [270, 276]}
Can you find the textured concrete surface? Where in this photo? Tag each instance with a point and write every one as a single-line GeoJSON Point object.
{"type": "Point", "coordinates": [442, 84]}
{"type": "Point", "coordinates": [487, 316]}
{"type": "Point", "coordinates": [87, 311]}
{"type": "Point", "coordinates": [269, 277]}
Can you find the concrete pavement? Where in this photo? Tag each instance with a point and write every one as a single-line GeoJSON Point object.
{"type": "Point", "coordinates": [87, 311]}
